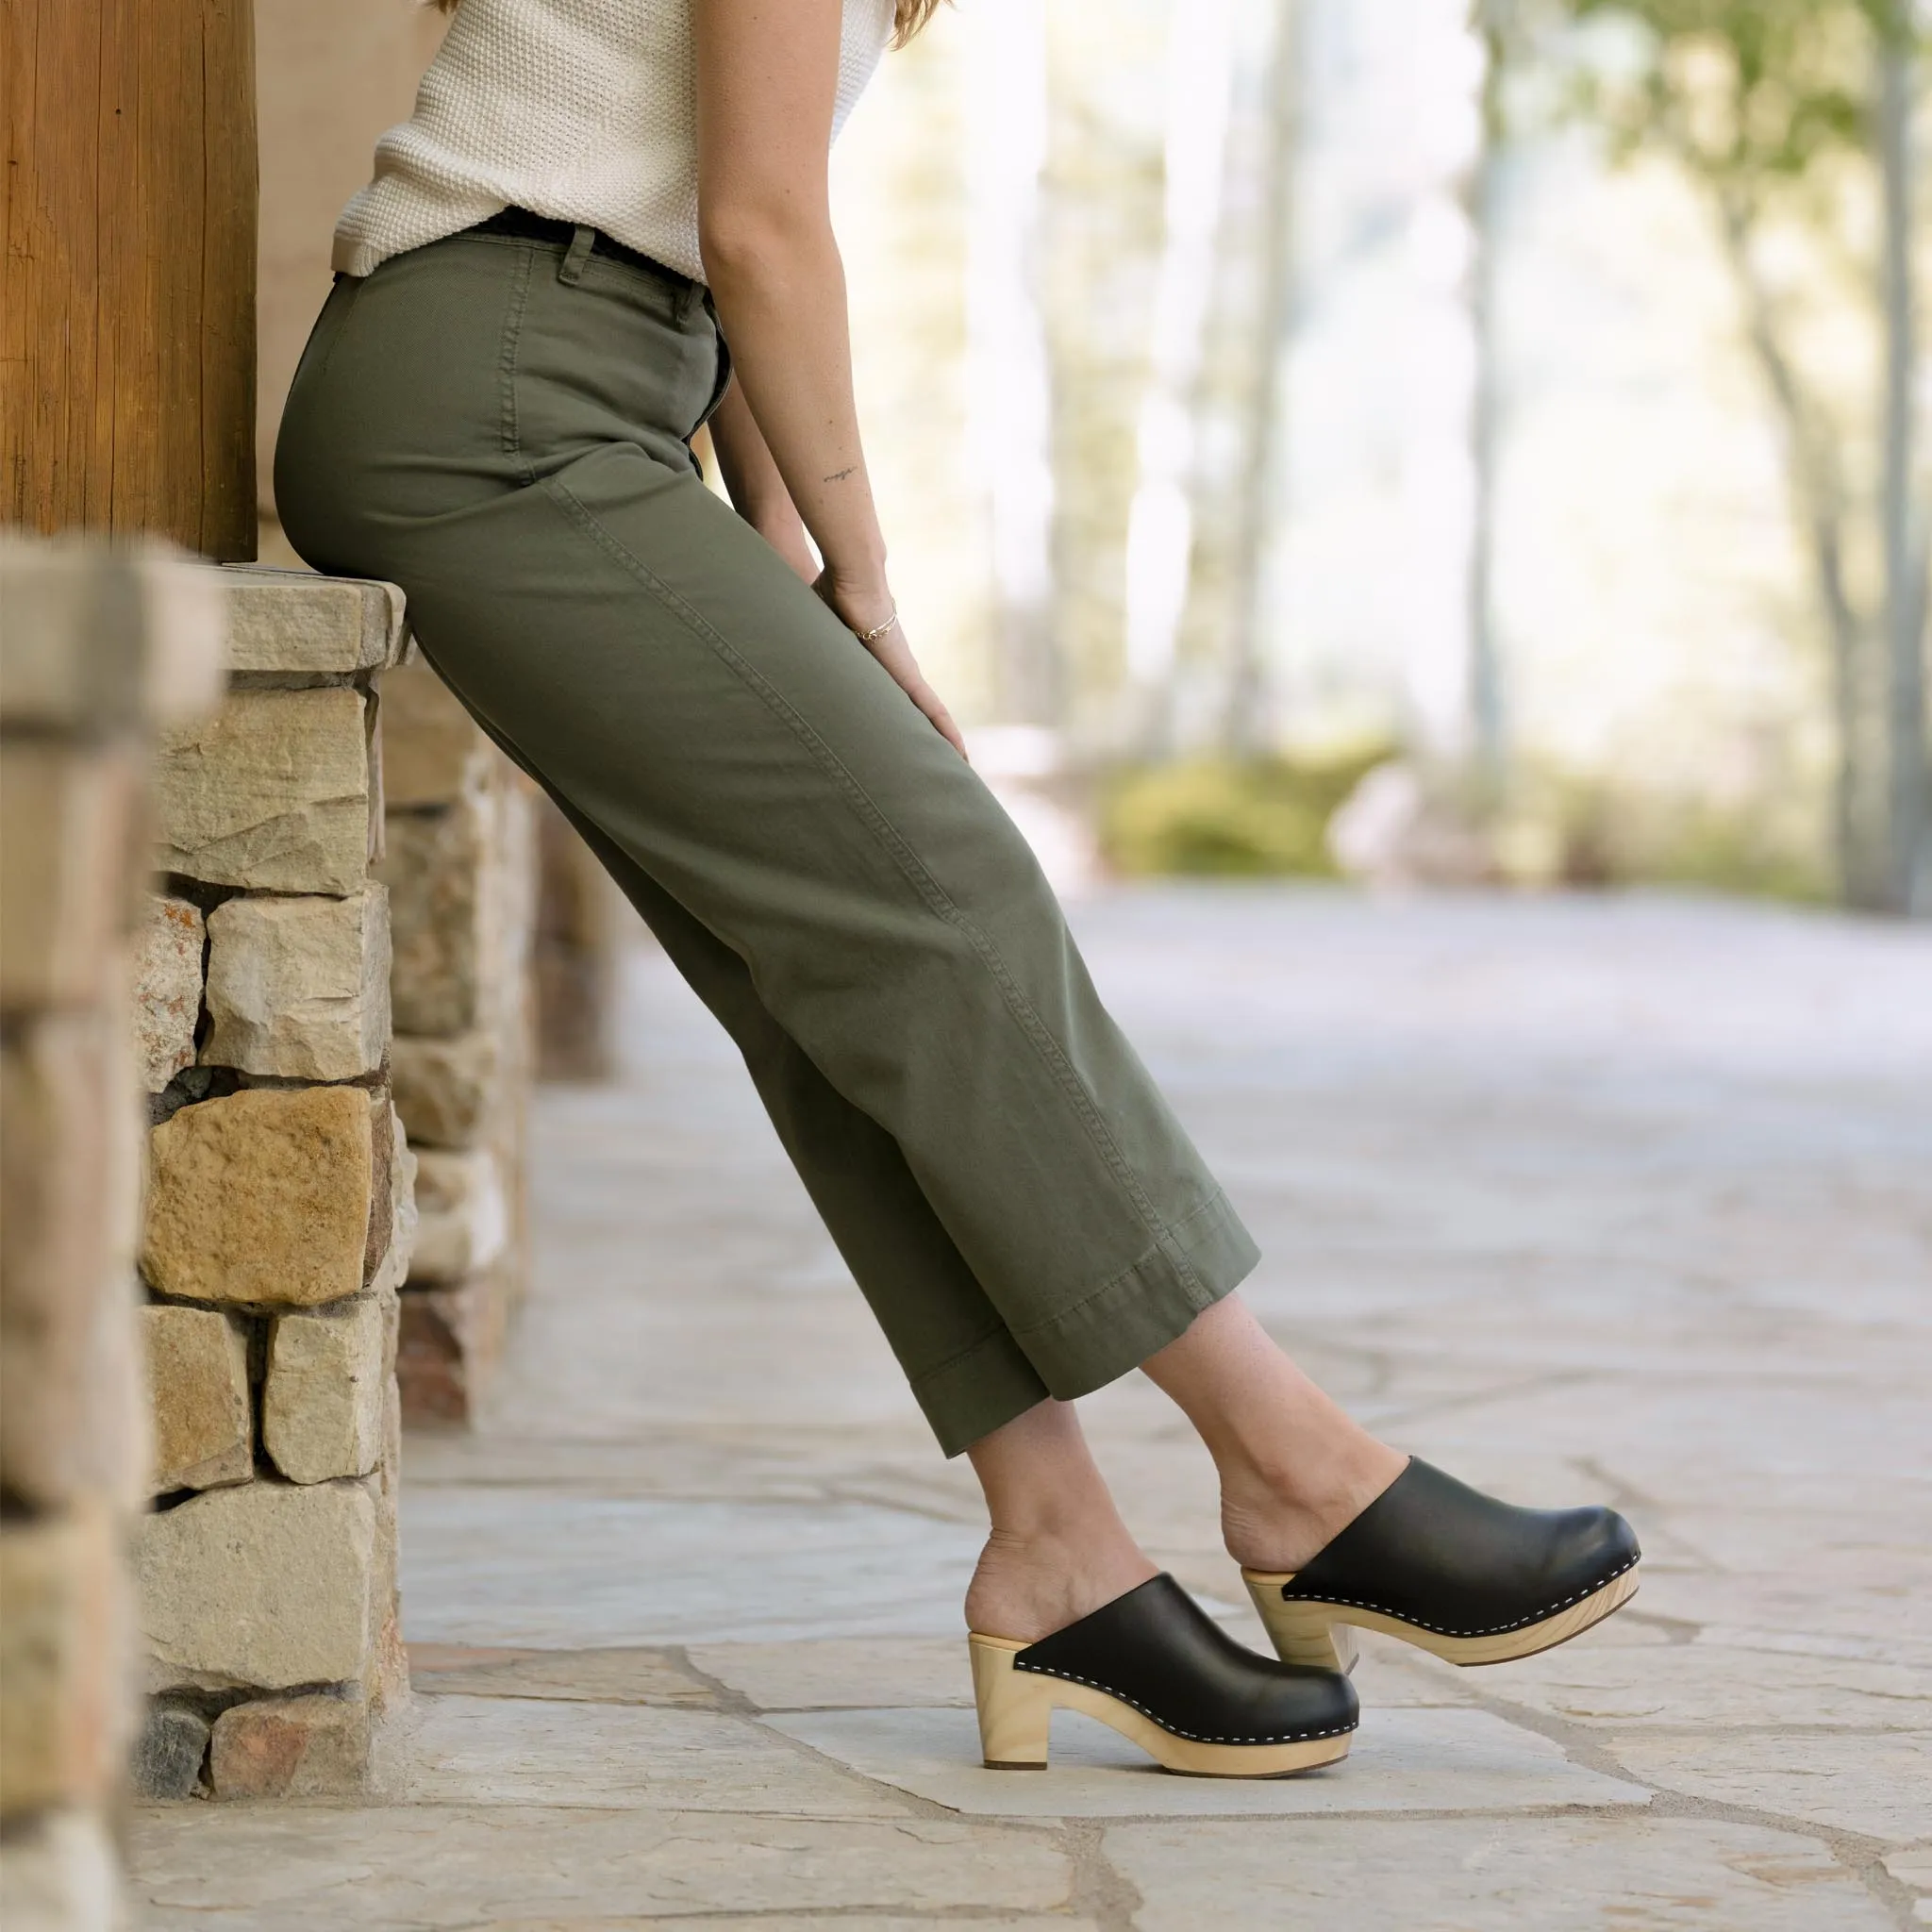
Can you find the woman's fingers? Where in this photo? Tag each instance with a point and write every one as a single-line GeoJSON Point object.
{"type": "Point", "coordinates": [893, 653]}
{"type": "Point", "coordinates": [891, 650]}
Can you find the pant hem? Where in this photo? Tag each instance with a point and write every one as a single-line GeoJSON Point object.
{"type": "Point", "coordinates": [1193, 1265]}
{"type": "Point", "coordinates": [976, 1391]}
{"type": "Point", "coordinates": [1136, 1314]}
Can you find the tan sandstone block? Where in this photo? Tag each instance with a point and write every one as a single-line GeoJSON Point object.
{"type": "Point", "coordinates": [448, 1090]}
{"type": "Point", "coordinates": [69, 855]}
{"type": "Point", "coordinates": [295, 621]}
{"type": "Point", "coordinates": [272, 793]}
{"type": "Point", "coordinates": [197, 1371]}
{"type": "Point", "coordinates": [394, 1267]}
{"type": "Point", "coordinates": [60, 1873]}
{"type": "Point", "coordinates": [96, 637]}
{"type": "Point", "coordinates": [262, 1197]}
{"type": "Point", "coordinates": [167, 988]}
{"type": "Point", "coordinates": [450, 1343]}
{"type": "Point", "coordinates": [66, 1714]}
{"type": "Point", "coordinates": [437, 867]}
{"type": "Point", "coordinates": [268, 1584]}
{"type": "Point", "coordinates": [322, 1413]}
{"type": "Point", "coordinates": [290, 1747]}
{"type": "Point", "coordinates": [299, 987]}
{"type": "Point", "coordinates": [70, 1387]}
{"type": "Point", "coordinates": [462, 1217]}
{"type": "Point", "coordinates": [433, 751]}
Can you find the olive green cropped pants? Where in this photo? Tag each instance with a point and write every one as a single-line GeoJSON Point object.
{"type": "Point", "coordinates": [500, 425]}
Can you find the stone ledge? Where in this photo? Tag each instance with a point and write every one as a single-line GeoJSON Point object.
{"type": "Point", "coordinates": [97, 637]}
{"type": "Point", "coordinates": [295, 621]}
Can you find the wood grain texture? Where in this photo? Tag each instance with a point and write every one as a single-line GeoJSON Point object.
{"type": "Point", "coordinates": [127, 325]}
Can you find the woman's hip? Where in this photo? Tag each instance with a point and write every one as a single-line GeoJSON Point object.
{"type": "Point", "coordinates": [478, 365]}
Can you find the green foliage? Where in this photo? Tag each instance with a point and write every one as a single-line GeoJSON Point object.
{"type": "Point", "coordinates": [1230, 817]}
{"type": "Point", "coordinates": [1747, 92]}
{"type": "Point", "coordinates": [1573, 829]}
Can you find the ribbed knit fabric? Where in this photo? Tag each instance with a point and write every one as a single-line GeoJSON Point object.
{"type": "Point", "coordinates": [584, 110]}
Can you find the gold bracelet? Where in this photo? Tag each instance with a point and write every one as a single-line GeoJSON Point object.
{"type": "Point", "coordinates": [878, 631]}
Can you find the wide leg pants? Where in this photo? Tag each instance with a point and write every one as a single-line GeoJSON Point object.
{"type": "Point", "coordinates": [500, 425]}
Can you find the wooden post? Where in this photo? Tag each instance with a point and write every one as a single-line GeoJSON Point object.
{"type": "Point", "coordinates": [127, 312]}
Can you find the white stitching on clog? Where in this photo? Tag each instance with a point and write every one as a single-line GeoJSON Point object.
{"type": "Point", "coordinates": [1441, 1630]}
{"type": "Point", "coordinates": [1175, 1730]}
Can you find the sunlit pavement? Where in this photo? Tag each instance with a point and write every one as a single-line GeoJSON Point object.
{"type": "Point", "coordinates": [1581, 1199]}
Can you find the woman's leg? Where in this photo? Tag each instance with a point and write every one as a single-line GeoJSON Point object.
{"type": "Point", "coordinates": [1058, 1547]}
{"type": "Point", "coordinates": [860, 899]}
{"type": "Point", "coordinates": [1021, 1209]}
{"type": "Point", "coordinates": [1295, 1467]}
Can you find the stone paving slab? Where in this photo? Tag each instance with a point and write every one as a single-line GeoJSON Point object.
{"type": "Point", "coordinates": [838, 1922]}
{"type": "Point", "coordinates": [1488, 1874]}
{"type": "Point", "coordinates": [840, 1672]}
{"type": "Point", "coordinates": [310, 1868]}
{"type": "Point", "coordinates": [1401, 1760]}
{"type": "Point", "coordinates": [1913, 1870]}
{"type": "Point", "coordinates": [1705, 1686]}
{"type": "Point", "coordinates": [620, 1758]}
{"type": "Point", "coordinates": [622, 1571]}
{"type": "Point", "coordinates": [626, 1675]}
{"type": "Point", "coordinates": [1879, 1786]}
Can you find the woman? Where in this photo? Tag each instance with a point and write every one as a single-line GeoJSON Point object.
{"type": "Point", "coordinates": [496, 411]}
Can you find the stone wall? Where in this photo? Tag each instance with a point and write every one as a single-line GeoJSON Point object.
{"type": "Point", "coordinates": [97, 648]}
{"type": "Point", "coordinates": [277, 1220]}
{"type": "Point", "coordinates": [460, 870]}
{"type": "Point", "coordinates": [582, 924]}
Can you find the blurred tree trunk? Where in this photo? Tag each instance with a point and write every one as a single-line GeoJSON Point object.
{"type": "Point", "coordinates": [127, 333]}
{"type": "Point", "coordinates": [1488, 749]}
{"type": "Point", "coordinates": [1162, 525]}
{"type": "Point", "coordinates": [1822, 503]}
{"type": "Point", "coordinates": [1007, 348]}
{"type": "Point", "coordinates": [1257, 502]}
{"type": "Point", "coordinates": [1907, 862]}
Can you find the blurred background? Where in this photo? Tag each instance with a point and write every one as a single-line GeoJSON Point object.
{"type": "Point", "coordinates": [1260, 393]}
{"type": "Point", "coordinates": [1415, 439]}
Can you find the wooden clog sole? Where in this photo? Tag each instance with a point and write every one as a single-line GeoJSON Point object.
{"type": "Point", "coordinates": [1312, 1632]}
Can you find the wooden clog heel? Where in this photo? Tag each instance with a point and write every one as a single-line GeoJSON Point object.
{"type": "Point", "coordinates": [1157, 1669]}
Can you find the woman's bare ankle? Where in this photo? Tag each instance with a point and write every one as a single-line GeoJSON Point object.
{"type": "Point", "coordinates": [1276, 1520]}
{"type": "Point", "coordinates": [1027, 1587]}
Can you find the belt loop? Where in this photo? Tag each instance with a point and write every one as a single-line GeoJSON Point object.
{"type": "Point", "coordinates": [576, 255]}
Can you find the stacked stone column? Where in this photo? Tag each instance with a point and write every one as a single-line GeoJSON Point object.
{"type": "Point", "coordinates": [96, 648]}
{"type": "Point", "coordinates": [278, 1217]}
{"type": "Point", "coordinates": [582, 923]}
{"type": "Point", "coordinates": [461, 876]}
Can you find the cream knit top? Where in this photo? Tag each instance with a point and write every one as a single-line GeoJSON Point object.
{"type": "Point", "coordinates": [584, 110]}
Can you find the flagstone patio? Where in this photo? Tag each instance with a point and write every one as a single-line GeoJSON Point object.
{"type": "Point", "coordinates": [1622, 1199]}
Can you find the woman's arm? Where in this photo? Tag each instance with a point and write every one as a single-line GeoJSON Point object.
{"type": "Point", "coordinates": [756, 490]}
{"type": "Point", "coordinates": [767, 79]}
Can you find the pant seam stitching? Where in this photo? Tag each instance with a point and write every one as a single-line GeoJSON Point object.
{"type": "Point", "coordinates": [959, 1354]}
{"type": "Point", "coordinates": [510, 429]}
{"type": "Point", "coordinates": [928, 888]}
{"type": "Point", "coordinates": [1156, 1252]}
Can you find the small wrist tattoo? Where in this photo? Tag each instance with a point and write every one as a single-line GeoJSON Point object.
{"type": "Point", "coordinates": [840, 475]}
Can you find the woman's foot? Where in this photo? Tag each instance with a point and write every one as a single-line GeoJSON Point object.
{"type": "Point", "coordinates": [1453, 1572]}
{"type": "Point", "coordinates": [1296, 1470]}
{"type": "Point", "coordinates": [1058, 1549]}
{"type": "Point", "coordinates": [1276, 1516]}
{"type": "Point", "coordinates": [1027, 1587]}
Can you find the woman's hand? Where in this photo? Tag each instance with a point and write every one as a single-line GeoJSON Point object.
{"type": "Point", "coordinates": [863, 610]}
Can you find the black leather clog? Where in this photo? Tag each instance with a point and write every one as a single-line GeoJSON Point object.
{"type": "Point", "coordinates": [1453, 1571]}
{"type": "Point", "coordinates": [1160, 1671]}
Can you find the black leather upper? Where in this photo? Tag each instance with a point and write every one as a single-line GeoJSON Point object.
{"type": "Point", "coordinates": [1439, 1554]}
{"type": "Point", "coordinates": [1157, 1649]}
